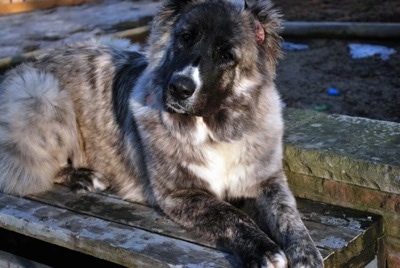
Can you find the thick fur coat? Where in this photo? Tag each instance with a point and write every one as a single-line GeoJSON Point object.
{"type": "Point", "coordinates": [193, 127]}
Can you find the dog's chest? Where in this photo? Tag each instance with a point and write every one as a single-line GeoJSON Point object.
{"type": "Point", "coordinates": [223, 168]}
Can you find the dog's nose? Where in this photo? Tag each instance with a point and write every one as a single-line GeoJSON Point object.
{"type": "Point", "coordinates": [181, 87]}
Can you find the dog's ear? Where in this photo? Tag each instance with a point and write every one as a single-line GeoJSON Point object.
{"type": "Point", "coordinates": [267, 18]}
{"type": "Point", "coordinates": [168, 11]}
{"type": "Point", "coordinates": [175, 5]}
{"type": "Point", "coordinates": [267, 24]}
{"type": "Point", "coordinates": [241, 4]}
{"type": "Point", "coordinates": [259, 31]}
{"type": "Point", "coordinates": [262, 11]}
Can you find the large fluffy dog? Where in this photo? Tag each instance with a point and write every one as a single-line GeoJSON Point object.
{"type": "Point", "coordinates": [193, 127]}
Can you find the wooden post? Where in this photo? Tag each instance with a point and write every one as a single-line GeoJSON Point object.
{"type": "Point", "coordinates": [17, 6]}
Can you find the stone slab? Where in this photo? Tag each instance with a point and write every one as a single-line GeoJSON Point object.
{"type": "Point", "coordinates": [354, 150]}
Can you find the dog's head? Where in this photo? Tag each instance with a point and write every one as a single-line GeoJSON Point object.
{"type": "Point", "coordinates": [208, 55]}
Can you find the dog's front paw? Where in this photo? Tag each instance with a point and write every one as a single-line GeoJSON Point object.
{"type": "Point", "coordinates": [276, 259]}
{"type": "Point", "coordinates": [307, 256]}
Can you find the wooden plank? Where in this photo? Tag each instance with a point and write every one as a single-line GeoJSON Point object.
{"type": "Point", "coordinates": [139, 216]}
{"type": "Point", "coordinates": [18, 7]}
{"type": "Point", "coordinates": [111, 241]}
{"type": "Point", "coordinates": [12, 261]}
{"type": "Point", "coordinates": [363, 259]}
{"type": "Point", "coordinates": [337, 216]}
{"type": "Point", "coordinates": [113, 209]}
{"type": "Point", "coordinates": [136, 35]}
{"type": "Point", "coordinates": [340, 245]}
{"type": "Point", "coordinates": [340, 233]}
{"type": "Point", "coordinates": [332, 228]}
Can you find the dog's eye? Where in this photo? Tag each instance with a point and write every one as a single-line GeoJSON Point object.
{"type": "Point", "coordinates": [226, 56]}
{"type": "Point", "coordinates": [186, 37]}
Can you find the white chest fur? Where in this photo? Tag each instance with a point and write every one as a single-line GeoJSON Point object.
{"type": "Point", "coordinates": [223, 168]}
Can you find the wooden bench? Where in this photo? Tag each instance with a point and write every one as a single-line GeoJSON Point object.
{"type": "Point", "coordinates": [133, 235]}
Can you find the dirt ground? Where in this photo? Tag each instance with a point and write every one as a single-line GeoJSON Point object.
{"type": "Point", "coordinates": [368, 87]}
{"type": "Point", "coordinates": [333, 10]}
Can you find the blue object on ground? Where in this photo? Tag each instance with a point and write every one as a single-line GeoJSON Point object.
{"type": "Point", "coordinates": [288, 46]}
{"type": "Point", "coordinates": [359, 51]}
{"type": "Point", "coordinates": [333, 91]}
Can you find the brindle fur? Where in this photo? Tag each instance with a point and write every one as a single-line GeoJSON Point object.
{"type": "Point", "coordinates": [207, 151]}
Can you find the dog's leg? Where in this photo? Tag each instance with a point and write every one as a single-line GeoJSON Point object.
{"type": "Point", "coordinates": [223, 223]}
{"type": "Point", "coordinates": [276, 213]}
{"type": "Point", "coordinates": [82, 180]}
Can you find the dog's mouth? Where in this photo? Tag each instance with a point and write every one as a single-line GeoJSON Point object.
{"type": "Point", "coordinates": [176, 108]}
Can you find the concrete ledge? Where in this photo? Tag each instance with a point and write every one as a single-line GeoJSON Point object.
{"type": "Point", "coordinates": [347, 161]}
{"type": "Point", "coordinates": [353, 150]}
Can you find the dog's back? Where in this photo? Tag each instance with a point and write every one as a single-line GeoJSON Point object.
{"type": "Point", "coordinates": [56, 112]}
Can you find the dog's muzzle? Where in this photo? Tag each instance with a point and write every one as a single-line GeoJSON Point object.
{"type": "Point", "coordinates": [181, 87]}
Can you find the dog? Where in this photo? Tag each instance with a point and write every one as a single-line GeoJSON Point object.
{"type": "Point", "coordinates": [191, 126]}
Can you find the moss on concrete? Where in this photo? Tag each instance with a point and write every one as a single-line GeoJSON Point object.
{"type": "Point", "coordinates": [354, 150]}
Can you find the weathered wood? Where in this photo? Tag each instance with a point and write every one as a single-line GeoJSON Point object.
{"type": "Point", "coordinates": [345, 233]}
{"type": "Point", "coordinates": [22, 6]}
{"type": "Point", "coordinates": [332, 228]}
{"type": "Point", "coordinates": [136, 35]}
{"type": "Point", "coordinates": [12, 261]}
{"type": "Point", "coordinates": [341, 234]}
{"type": "Point", "coordinates": [116, 210]}
{"type": "Point", "coordinates": [108, 240]}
